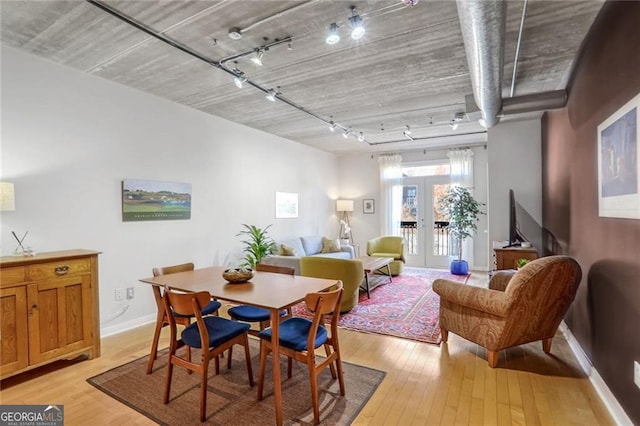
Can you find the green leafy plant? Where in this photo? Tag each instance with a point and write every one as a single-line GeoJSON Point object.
{"type": "Point", "coordinates": [521, 262]}
{"type": "Point", "coordinates": [257, 244]}
{"type": "Point", "coordinates": [463, 212]}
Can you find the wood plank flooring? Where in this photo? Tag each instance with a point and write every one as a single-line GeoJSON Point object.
{"type": "Point", "coordinates": [425, 384]}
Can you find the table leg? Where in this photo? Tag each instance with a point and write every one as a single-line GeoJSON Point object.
{"type": "Point", "coordinates": [366, 282]}
{"type": "Point", "coordinates": [389, 273]}
{"type": "Point", "coordinates": [159, 324]}
{"type": "Point", "coordinates": [275, 358]}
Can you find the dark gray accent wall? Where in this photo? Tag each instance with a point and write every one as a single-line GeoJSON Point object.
{"type": "Point", "coordinates": [605, 317]}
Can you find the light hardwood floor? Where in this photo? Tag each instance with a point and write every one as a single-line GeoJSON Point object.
{"type": "Point", "coordinates": [425, 384]}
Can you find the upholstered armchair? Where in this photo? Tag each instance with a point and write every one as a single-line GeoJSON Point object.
{"type": "Point", "coordinates": [388, 246]}
{"type": "Point", "coordinates": [517, 308]}
{"type": "Point", "coordinates": [349, 271]}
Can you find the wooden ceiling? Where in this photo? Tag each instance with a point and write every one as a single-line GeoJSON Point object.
{"type": "Point", "coordinates": [409, 69]}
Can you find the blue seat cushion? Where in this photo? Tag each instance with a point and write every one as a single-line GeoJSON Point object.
{"type": "Point", "coordinates": [211, 307]}
{"type": "Point", "coordinates": [294, 332]}
{"type": "Point", "coordinates": [251, 313]}
{"type": "Point", "coordinates": [220, 330]}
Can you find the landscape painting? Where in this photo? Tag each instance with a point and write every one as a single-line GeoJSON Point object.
{"type": "Point", "coordinates": [144, 200]}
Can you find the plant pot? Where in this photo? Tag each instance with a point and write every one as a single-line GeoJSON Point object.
{"type": "Point", "coordinates": [459, 267]}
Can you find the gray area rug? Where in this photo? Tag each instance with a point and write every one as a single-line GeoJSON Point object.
{"type": "Point", "coordinates": [230, 400]}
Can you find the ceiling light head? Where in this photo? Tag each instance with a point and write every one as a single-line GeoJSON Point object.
{"type": "Point", "coordinates": [408, 131]}
{"type": "Point", "coordinates": [271, 95]}
{"type": "Point", "coordinates": [333, 36]}
{"type": "Point", "coordinates": [360, 137]}
{"type": "Point", "coordinates": [346, 133]}
{"type": "Point", "coordinates": [453, 124]}
{"type": "Point", "coordinates": [235, 33]}
{"type": "Point", "coordinates": [332, 126]}
{"type": "Point", "coordinates": [357, 25]}
{"type": "Point", "coordinates": [239, 80]}
{"type": "Point", "coordinates": [410, 2]}
{"type": "Point", "coordinates": [257, 57]}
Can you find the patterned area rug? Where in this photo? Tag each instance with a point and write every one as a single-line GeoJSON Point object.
{"type": "Point", "coordinates": [406, 307]}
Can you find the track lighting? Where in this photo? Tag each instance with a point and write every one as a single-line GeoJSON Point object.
{"type": "Point", "coordinates": [239, 78]}
{"type": "Point", "coordinates": [408, 131]}
{"type": "Point", "coordinates": [257, 57]}
{"type": "Point", "coordinates": [361, 137]}
{"type": "Point", "coordinates": [357, 24]}
{"type": "Point", "coordinates": [333, 36]}
{"type": "Point", "coordinates": [453, 124]}
{"type": "Point", "coordinates": [272, 94]}
{"type": "Point", "coordinates": [345, 134]}
{"type": "Point", "coordinates": [332, 125]}
{"type": "Point", "coordinates": [457, 118]}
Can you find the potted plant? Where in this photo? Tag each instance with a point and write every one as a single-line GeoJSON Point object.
{"type": "Point", "coordinates": [463, 211]}
{"type": "Point", "coordinates": [521, 262]}
{"type": "Point", "coordinates": [257, 244]}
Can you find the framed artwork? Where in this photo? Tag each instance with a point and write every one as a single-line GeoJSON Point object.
{"type": "Point", "coordinates": [286, 205]}
{"type": "Point", "coordinates": [368, 206]}
{"type": "Point", "coordinates": [619, 163]}
{"type": "Point", "coordinates": [144, 200]}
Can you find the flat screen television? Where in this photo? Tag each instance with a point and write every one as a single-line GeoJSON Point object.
{"type": "Point", "coordinates": [522, 226]}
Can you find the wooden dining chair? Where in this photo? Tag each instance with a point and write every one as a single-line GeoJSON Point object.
{"type": "Point", "coordinates": [253, 314]}
{"type": "Point", "coordinates": [162, 319]}
{"type": "Point", "coordinates": [300, 337]}
{"type": "Point", "coordinates": [211, 334]}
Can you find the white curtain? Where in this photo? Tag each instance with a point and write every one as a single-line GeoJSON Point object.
{"type": "Point", "coordinates": [391, 193]}
{"type": "Point", "coordinates": [461, 163]}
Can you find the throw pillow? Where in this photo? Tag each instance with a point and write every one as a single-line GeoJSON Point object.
{"type": "Point", "coordinates": [330, 246]}
{"type": "Point", "coordinates": [285, 250]}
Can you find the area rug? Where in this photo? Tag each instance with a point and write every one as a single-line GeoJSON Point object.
{"type": "Point", "coordinates": [406, 308]}
{"type": "Point", "coordinates": [230, 400]}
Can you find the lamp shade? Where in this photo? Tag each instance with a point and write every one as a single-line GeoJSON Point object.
{"type": "Point", "coordinates": [344, 205]}
{"type": "Point", "coordinates": [7, 197]}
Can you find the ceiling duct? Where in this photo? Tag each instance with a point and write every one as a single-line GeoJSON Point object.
{"type": "Point", "coordinates": [483, 28]}
{"type": "Point", "coordinates": [534, 102]}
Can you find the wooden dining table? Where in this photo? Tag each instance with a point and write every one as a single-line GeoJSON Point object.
{"type": "Point", "coordinates": [268, 290]}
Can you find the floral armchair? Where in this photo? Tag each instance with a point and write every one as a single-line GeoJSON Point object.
{"type": "Point", "coordinates": [517, 308]}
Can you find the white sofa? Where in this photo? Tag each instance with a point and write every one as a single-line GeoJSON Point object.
{"type": "Point", "coordinates": [304, 246]}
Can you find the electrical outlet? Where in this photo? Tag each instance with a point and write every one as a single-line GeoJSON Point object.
{"type": "Point", "coordinates": [129, 292]}
{"type": "Point", "coordinates": [119, 294]}
{"type": "Point", "coordinates": [636, 373]}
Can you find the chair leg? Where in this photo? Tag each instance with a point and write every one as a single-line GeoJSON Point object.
{"type": "Point", "coordinates": [445, 334]}
{"type": "Point", "coordinates": [263, 364]}
{"type": "Point", "coordinates": [203, 388]}
{"type": "Point", "coordinates": [492, 357]}
{"type": "Point", "coordinates": [289, 367]}
{"type": "Point", "coordinates": [247, 355]}
{"type": "Point", "coordinates": [313, 379]}
{"type": "Point", "coordinates": [332, 368]}
{"type": "Point", "coordinates": [167, 387]}
{"type": "Point", "coordinates": [546, 345]}
{"type": "Point", "coordinates": [156, 338]}
{"type": "Point", "coordinates": [229, 358]}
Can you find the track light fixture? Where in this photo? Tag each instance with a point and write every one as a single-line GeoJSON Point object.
{"type": "Point", "coordinates": [273, 94]}
{"type": "Point", "coordinates": [408, 131]}
{"type": "Point", "coordinates": [360, 137]}
{"type": "Point", "coordinates": [257, 57]}
{"type": "Point", "coordinates": [239, 78]}
{"type": "Point", "coordinates": [332, 125]}
{"type": "Point", "coordinates": [453, 124]}
{"type": "Point", "coordinates": [333, 36]}
{"type": "Point", "coordinates": [357, 25]}
{"type": "Point", "coordinates": [457, 118]}
{"type": "Point", "coordinates": [346, 133]}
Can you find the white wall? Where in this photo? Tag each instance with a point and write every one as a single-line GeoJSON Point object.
{"type": "Point", "coordinates": [68, 140]}
{"type": "Point", "coordinates": [515, 162]}
{"type": "Point", "coordinates": [360, 179]}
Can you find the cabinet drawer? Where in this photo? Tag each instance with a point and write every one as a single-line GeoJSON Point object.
{"type": "Point", "coordinates": [58, 269]}
{"type": "Point", "coordinates": [11, 276]}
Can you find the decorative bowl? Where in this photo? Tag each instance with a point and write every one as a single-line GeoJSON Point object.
{"type": "Point", "coordinates": [238, 275]}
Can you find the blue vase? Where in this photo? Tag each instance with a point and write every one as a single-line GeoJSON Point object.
{"type": "Point", "coordinates": [459, 267]}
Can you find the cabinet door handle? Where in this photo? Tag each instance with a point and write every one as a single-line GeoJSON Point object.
{"type": "Point", "coordinates": [61, 270]}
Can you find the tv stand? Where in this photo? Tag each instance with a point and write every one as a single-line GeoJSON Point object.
{"type": "Point", "coordinates": [506, 257]}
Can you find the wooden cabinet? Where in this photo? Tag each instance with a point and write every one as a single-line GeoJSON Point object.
{"type": "Point", "coordinates": [49, 309]}
{"type": "Point", "coordinates": [506, 257]}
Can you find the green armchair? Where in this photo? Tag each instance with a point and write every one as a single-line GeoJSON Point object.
{"type": "Point", "coordinates": [388, 246]}
{"type": "Point", "coordinates": [349, 271]}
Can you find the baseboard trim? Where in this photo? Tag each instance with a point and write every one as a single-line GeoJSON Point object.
{"type": "Point", "coordinates": [127, 325]}
{"type": "Point", "coordinates": [607, 397]}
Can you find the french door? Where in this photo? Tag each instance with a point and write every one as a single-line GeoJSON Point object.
{"type": "Point", "coordinates": [423, 228]}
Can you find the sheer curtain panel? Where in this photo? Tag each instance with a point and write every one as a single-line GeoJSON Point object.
{"type": "Point", "coordinates": [461, 162]}
{"type": "Point", "coordinates": [390, 193]}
